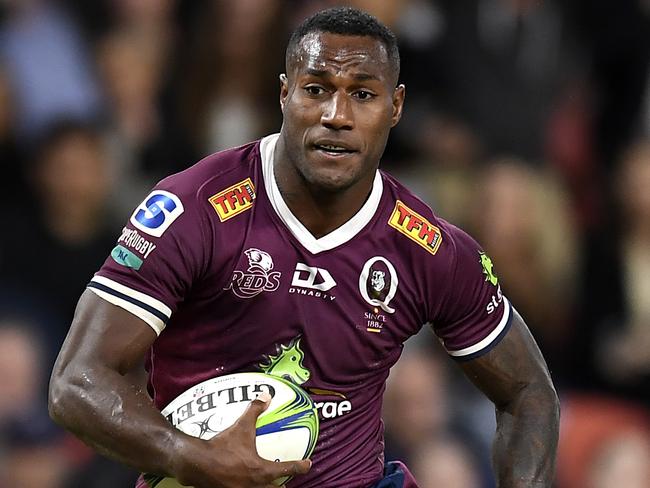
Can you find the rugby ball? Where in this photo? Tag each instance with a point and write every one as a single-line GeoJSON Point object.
{"type": "Point", "coordinates": [286, 431]}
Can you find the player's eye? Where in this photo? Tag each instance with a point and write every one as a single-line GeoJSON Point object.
{"type": "Point", "coordinates": [363, 95]}
{"type": "Point", "coordinates": [314, 90]}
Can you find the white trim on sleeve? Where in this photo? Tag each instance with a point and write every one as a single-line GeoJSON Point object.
{"type": "Point", "coordinates": [490, 338]}
{"type": "Point", "coordinates": [152, 311]}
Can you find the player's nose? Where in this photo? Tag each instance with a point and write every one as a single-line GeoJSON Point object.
{"type": "Point", "coordinates": [337, 112]}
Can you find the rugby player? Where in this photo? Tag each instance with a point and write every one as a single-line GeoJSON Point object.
{"type": "Point", "coordinates": [298, 242]}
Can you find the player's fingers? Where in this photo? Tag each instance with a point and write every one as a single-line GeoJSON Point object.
{"type": "Point", "coordinates": [254, 410]}
{"type": "Point", "coordinates": [290, 468]}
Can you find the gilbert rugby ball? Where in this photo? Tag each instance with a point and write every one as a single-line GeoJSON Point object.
{"type": "Point", "coordinates": [286, 431]}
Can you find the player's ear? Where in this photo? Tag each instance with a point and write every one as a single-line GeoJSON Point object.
{"type": "Point", "coordinates": [284, 89]}
{"type": "Point", "coordinates": [398, 104]}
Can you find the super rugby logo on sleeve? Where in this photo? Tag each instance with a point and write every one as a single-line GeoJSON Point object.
{"type": "Point", "coordinates": [415, 227]}
{"type": "Point", "coordinates": [157, 212]}
{"type": "Point", "coordinates": [234, 199]}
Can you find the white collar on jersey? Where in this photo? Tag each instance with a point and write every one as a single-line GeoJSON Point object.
{"type": "Point", "coordinates": [335, 238]}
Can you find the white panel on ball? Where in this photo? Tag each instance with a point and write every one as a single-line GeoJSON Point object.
{"type": "Point", "coordinates": [287, 430]}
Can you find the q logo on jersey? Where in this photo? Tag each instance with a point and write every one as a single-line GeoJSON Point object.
{"type": "Point", "coordinates": [157, 212]}
{"type": "Point", "coordinates": [378, 283]}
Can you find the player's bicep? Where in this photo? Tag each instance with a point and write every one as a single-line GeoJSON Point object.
{"type": "Point", "coordinates": [512, 365]}
{"type": "Point", "coordinates": [104, 335]}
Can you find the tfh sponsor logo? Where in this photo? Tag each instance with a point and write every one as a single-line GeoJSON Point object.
{"type": "Point", "coordinates": [258, 277]}
{"type": "Point", "coordinates": [233, 200]}
{"type": "Point", "coordinates": [415, 227]}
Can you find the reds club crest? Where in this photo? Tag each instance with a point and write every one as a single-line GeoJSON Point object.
{"type": "Point", "coordinates": [258, 277]}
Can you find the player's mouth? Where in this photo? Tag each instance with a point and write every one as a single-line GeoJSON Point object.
{"type": "Point", "coordinates": [333, 149]}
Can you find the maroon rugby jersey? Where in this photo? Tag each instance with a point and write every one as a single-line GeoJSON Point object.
{"type": "Point", "coordinates": [215, 262]}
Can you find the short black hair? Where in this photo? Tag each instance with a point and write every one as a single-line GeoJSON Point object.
{"type": "Point", "coordinates": [346, 21]}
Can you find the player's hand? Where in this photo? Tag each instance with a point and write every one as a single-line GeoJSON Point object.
{"type": "Point", "coordinates": [230, 459]}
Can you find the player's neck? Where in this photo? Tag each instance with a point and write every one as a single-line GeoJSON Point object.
{"type": "Point", "coordinates": [320, 214]}
{"type": "Point", "coordinates": [319, 210]}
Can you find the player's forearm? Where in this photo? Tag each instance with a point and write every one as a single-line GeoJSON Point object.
{"type": "Point", "coordinates": [116, 417]}
{"type": "Point", "coordinates": [526, 439]}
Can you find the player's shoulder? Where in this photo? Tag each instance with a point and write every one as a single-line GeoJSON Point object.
{"type": "Point", "coordinates": [414, 218]}
{"type": "Point", "coordinates": [188, 196]}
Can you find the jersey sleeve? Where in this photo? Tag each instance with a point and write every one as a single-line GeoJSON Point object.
{"type": "Point", "coordinates": [159, 255]}
{"type": "Point", "coordinates": [474, 314]}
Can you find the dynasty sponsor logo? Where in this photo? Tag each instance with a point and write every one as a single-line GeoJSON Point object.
{"type": "Point", "coordinates": [233, 200]}
{"type": "Point", "coordinates": [312, 281]}
{"type": "Point", "coordinates": [415, 227]}
{"type": "Point", "coordinates": [258, 277]}
{"type": "Point", "coordinates": [132, 239]}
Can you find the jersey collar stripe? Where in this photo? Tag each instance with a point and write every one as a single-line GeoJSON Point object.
{"type": "Point", "coordinates": [159, 306]}
{"type": "Point", "coordinates": [150, 319]}
{"type": "Point", "coordinates": [335, 238]}
{"type": "Point", "coordinates": [491, 337]}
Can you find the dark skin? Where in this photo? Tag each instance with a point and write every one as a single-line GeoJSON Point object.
{"type": "Point", "coordinates": [514, 376]}
{"type": "Point", "coordinates": [339, 101]}
{"type": "Point", "coordinates": [95, 392]}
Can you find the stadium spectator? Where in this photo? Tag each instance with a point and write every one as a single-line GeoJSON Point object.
{"type": "Point", "coordinates": [493, 67]}
{"type": "Point", "coordinates": [419, 381]}
{"type": "Point", "coordinates": [49, 66]}
{"type": "Point", "coordinates": [227, 95]}
{"type": "Point", "coordinates": [446, 461]}
{"type": "Point", "coordinates": [136, 58]}
{"type": "Point", "coordinates": [522, 214]}
{"type": "Point", "coordinates": [12, 183]}
{"type": "Point", "coordinates": [604, 443]}
{"type": "Point", "coordinates": [31, 453]}
{"type": "Point", "coordinates": [442, 409]}
{"type": "Point", "coordinates": [614, 337]}
{"type": "Point", "coordinates": [69, 229]}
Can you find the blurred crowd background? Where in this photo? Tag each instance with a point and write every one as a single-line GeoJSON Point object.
{"type": "Point", "coordinates": [527, 122]}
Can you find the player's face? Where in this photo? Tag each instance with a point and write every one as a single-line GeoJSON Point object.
{"type": "Point", "coordinates": [339, 102]}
